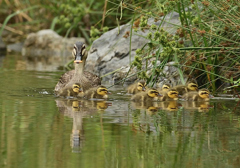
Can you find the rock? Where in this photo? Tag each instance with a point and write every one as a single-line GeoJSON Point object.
{"type": "Point", "coordinates": [2, 46]}
{"type": "Point", "coordinates": [48, 43]}
{"type": "Point", "coordinates": [112, 51]}
{"type": "Point", "coordinates": [16, 47]}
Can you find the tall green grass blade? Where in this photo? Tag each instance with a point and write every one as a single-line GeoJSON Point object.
{"type": "Point", "coordinates": [14, 14]}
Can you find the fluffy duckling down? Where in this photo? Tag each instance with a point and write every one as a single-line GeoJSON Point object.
{"type": "Point", "coordinates": [137, 87]}
{"type": "Point", "coordinates": [99, 92]}
{"type": "Point", "coordinates": [149, 96]}
{"type": "Point", "coordinates": [74, 90]}
{"type": "Point", "coordinates": [201, 95]}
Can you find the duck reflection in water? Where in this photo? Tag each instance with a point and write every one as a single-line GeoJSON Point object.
{"type": "Point", "coordinates": [78, 109]}
{"type": "Point", "coordinates": [200, 106]}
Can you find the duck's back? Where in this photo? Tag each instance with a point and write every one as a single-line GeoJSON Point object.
{"type": "Point", "coordinates": [88, 80]}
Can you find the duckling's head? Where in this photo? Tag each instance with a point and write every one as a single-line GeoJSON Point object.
{"type": "Point", "coordinates": [141, 86]}
{"type": "Point", "coordinates": [172, 93]}
{"type": "Point", "coordinates": [204, 93]}
{"type": "Point", "coordinates": [102, 90]}
{"type": "Point", "coordinates": [192, 86]}
{"type": "Point", "coordinates": [77, 88]}
{"type": "Point", "coordinates": [79, 52]}
{"type": "Point", "coordinates": [165, 87]}
{"type": "Point", "coordinates": [153, 93]}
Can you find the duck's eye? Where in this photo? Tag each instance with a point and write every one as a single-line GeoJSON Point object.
{"type": "Point", "coordinates": [140, 85]}
{"type": "Point", "coordinates": [194, 86]}
{"type": "Point", "coordinates": [204, 93]}
{"type": "Point", "coordinates": [103, 90]}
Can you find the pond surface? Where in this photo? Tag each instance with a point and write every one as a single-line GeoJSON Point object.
{"type": "Point", "coordinates": [40, 130]}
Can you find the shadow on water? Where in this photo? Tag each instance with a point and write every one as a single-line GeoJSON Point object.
{"type": "Point", "coordinates": [39, 130]}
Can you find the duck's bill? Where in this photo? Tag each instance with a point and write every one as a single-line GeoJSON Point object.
{"type": "Point", "coordinates": [211, 96]}
{"type": "Point", "coordinates": [78, 61]}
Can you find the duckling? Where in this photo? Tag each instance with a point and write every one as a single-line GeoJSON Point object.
{"type": "Point", "coordinates": [86, 79]}
{"type": "Point", "coordinates": [99, 92]}
{"type": "Point", "coordinates": [201, 95]}
{"type": "Point", "coordinates": [150, 95]}
{"type": "Point", "coordinates": [165, 88]}
{"type": "Point", "coordinates": [171, 94]}
{"type": "Point", "coordinates": [190, 86]}
{"type": "Point", "coordinates": [137, 87]}
{"type": "Point", "coordinates": [71, 91]}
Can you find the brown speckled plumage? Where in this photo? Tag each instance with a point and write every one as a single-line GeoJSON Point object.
{"type": "Point", "coordinates": [91, 79]}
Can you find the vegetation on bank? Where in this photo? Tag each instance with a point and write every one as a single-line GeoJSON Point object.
{"type": "Point", "coordinates": [205, 45]}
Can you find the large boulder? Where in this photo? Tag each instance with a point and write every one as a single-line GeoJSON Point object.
{"type": "Point", "coordinates": [112, 51]}
{"type": "Point", "coordinates": [48, 43]}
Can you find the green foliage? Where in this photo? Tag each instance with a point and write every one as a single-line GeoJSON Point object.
{"type": "Point", "coordinates": [205, 44]}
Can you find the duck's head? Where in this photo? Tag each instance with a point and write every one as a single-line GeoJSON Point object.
{"type": "Point", "coordinates": [165, 87]}
{"type": "Point", "coordinates": [79, 52]}
{"type": "Point", "coordinates": [193, 86]}
{"type": "Point", "coordinates": [102, 90]}
{"type": "Point", "coordinates": [77, 88]}
{"type": "Point", "coordinates": [173, 93]}
{"type": "Point", "coordinates": [153, 93]}
{"type": "Point", "coordinates": [141, 86]}
{"type": "Point", "coordinates": [204, 94]}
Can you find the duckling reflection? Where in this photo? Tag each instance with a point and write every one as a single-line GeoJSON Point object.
{"type": "Point", "coordinates": [169, 105]}
{"type": "Point", "coordinates": [152, 110]}
{"type": "Point", "coordinates": [96, 105]}
{"type": "Point", "coordinates": [203, 106]}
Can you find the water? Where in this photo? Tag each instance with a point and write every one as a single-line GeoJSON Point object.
{"type": "Point", "coordinates": [40, 130]}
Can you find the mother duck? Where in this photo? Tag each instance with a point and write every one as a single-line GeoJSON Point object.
{"type": "Point", "coordinates": [78, 75]}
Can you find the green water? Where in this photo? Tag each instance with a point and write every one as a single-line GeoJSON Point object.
{"type": "Point", "coordinates": [40, 130]}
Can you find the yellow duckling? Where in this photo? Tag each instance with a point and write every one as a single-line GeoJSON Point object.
{"type": "Point", "coordinates": [171, 94]}
{"type": "Point", "coordinates": [71, 91]}
{"type": "Point", "coordinates": [201, 95]}
{"type": "Point", "coordinates": [137, 87]}
{"type": "Point", "coordinates": [165, 88]}
{"type": "Point", "coordinates": [99, 92]}
{"type": "Point", "coordinates": [190, 86]}
{"type": "Point", "coordinates": [150, 95]}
